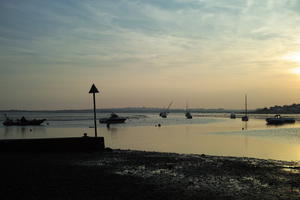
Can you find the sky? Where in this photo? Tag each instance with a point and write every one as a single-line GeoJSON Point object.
{"type": "Point", "coordinates": [207, 53]}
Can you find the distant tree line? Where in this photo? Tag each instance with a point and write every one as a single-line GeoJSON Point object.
{"type": "Point", "coordinates": [285, 109]}
{"type": "Point", "coordinates": [128, 110]}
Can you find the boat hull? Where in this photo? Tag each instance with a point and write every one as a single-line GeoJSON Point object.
{"type": "Point", "coordinates": [35, 122]}
{"type": "Point", "coordinates": [245, 118]}
{"type": "Point", "coordinates": [188, 115]}
{"type": "Point", "coordinates": [276, 121]}
{"type": "Point", "coordinates": [112, 121]}
{"type": "Point", "coordinates": [163, 115]}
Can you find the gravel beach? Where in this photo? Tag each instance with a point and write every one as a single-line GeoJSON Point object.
{"type": "Point", "coordinates": [125, 174]}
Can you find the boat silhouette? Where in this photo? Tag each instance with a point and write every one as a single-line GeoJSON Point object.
{"type": "Point", "coordinates": [232, 116]}
{"type": "Point", "coordinates": [188, 115]}
{"type": "Point", "coordinates": [22, 122]}
{"type": "Point", "coordinates": [113, 119]}
{"type": "Point", "coordinates": [164, 114]}
{"type": "Point", "coordinates": [278, 120]}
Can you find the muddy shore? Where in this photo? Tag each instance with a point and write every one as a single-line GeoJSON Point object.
{"type": "Point", "coordinates": [120, 174]}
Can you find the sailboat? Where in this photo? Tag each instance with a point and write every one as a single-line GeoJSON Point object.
{"type": "Point", "coordinates": [188, 115]}
{"type": "Point", "coordinates": [245, 117]}
{"type": "Point", "coordinates": [232, 116]}
{"type": "Point", "coordinates": [165, 113]}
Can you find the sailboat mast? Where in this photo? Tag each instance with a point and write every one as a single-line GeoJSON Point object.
{"type": "Point", "coordinates": [169, 106]}
{"type": "Point", "coordinates": [246, 105]}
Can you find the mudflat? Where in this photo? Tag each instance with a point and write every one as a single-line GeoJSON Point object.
{"type": "Point", "coordinates": [125, 174]}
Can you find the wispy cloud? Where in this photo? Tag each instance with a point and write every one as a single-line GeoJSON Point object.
{"type": "Point", "coordinates": [190, 40]}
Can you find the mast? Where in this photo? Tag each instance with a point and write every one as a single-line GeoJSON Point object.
{"type": "Point", "coordinates": [246, 104]}
{"type": "Point", "coordinates": [169, 106]}
{"type": "Point", "coordinates": [186, 107]}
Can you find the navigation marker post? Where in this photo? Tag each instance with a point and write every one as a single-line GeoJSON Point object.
{"type": "Point", "coordinates": [94, 90]}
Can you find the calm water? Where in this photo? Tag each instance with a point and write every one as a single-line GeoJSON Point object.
{"type": "Point", "coordinates": [213, 134]}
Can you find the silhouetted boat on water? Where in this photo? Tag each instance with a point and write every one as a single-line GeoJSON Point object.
{"type": "Point", "coordinates": [165, 113]}
{"type": "Point", "coordinates": [113, 119]}
{"type": "Point", "coordinates": [188, 115]}
{"type": "Point", "coordinates": [232, 116]}
{"type": "Point", "coordinates": [277, 120]}
{"type": "Point", "coordinates": [23, 122]}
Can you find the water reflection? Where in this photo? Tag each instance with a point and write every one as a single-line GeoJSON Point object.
{"type": "Point", "coordinates": [6, 131]}
{"type": "Point", "coordinates": [224, 138]}
{"type": "Point", "coordinates": [244, 125]}
{"type": "Point", "coordinates": [113, 131]}
{"type": "Point", "coordinates": [25, 129]}
{"type": "Point", "coordinates": [21, 131]}
{"type": "Point", "coordinates": [204, 139]}
{"type": "Point", "coordinates": [246, 144]}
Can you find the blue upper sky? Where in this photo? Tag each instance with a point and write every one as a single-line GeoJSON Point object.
{"type": "Point", "coordinates": [147, 53]}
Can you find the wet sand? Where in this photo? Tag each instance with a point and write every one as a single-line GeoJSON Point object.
{"type": "Point", "coordinates": [121, 174]}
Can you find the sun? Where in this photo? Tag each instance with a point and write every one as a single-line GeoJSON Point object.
{"type": "Point", "coordinates": [293, 57]}
{"type": "Point", "coordinates": [296, 70]}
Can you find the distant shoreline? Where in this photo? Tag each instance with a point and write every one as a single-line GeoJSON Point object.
{"type": "Point", "coordinates": [127, 110]}
{"type": "Point", "coordinates": [285, 109]}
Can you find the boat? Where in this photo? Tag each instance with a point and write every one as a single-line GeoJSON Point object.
{"type": "Point", "coordinates": [164, 114]}
{"type": "Point", "coordinates": [277, 119]}
{"type": "Point", "coordinates": [113, 119]}
{"type": "Point", "coordinates": [188, 115]}
{"type": "Point", "coordinates": [23, 122]}
{"type": "Point", "coordinates": [245, 118]}
{"type": "Point", "coordinates": [232, 116]}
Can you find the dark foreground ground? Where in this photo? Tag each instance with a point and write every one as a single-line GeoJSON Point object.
{"type": "Point", "coordinates": [144, 175]}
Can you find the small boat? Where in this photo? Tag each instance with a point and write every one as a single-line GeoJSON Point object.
{"type": "Point", "coordinates": [113, 119]}
{"type": "Point", "coordinates": [277, 119]}
{"type": "Point", "coordinates": [188, 115]}
{"type": "Point", "coordinates": [164, 114]}
{"type": "Point", "coordinates": [23, 122]}
{"type": "Point", "coordinates": [245, 118]}
{"type": "Point", "coordinates": [232, 116]}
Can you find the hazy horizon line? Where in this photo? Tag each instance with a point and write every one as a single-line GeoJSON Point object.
{"type": "Point", "coordinates": [120, 109]}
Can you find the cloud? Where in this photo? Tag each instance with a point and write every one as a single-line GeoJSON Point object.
{"type": "Point", "coordinates": [186, 40]}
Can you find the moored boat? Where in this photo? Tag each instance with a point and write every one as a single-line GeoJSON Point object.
{"type": "Point", "coordinates": [245, 118]}
{"type": "Point", "coordinates": [23, 122]}
{"type": "Point", "coordinates": [188, 115]}
{"type": "Point", "coordinates": [164, 114]}
{"type": "Point", "coordinates": [113, 119]}
{"type": "Point", "coordinates": [277, 119]}
{"type": "Point", "coordinates": [232, 116]}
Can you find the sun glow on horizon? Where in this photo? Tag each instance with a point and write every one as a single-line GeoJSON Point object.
{"type": "Point", "coordinates": [295, 70]}
{"type": "Point", "coordinates": [294, 57]}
